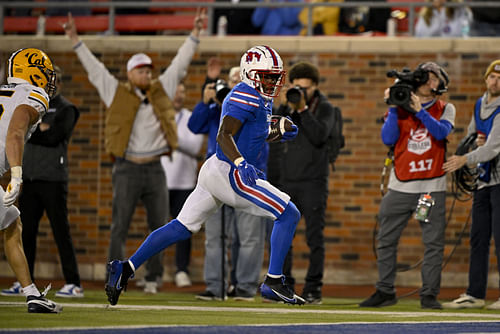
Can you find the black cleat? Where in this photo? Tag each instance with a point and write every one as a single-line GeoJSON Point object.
{"type": "Point", "coordinates": [276, 289]}
{"type": "Point", "coordinates": [40, 304]}
{"type": "Point", "coordinates": [116, 281]}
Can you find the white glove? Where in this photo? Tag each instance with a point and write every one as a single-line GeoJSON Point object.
{"type": "Point", "coordinates": [16, 178]}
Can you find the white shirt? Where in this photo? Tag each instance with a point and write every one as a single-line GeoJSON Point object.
{"type": "Point", "coordinates": [181, 169]}
{"type": "Point", "coordinates": [441, 25]}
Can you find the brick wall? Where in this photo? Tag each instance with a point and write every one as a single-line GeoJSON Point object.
{"type": "Point", "coordinates": [353, 78]}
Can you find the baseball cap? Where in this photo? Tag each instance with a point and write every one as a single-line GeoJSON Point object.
{"type": "Point", "coordinates": [494, 67]}
{"type": "Point", "coordinates": [138, 60]}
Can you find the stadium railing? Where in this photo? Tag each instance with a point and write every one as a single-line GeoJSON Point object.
{"type": "Point", "coordinates": [178, 15]}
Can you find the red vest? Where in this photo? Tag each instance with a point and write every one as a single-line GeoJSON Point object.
{"type": "Point", "coordinates": [417, 154]}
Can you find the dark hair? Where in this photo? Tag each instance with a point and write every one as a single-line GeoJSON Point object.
{"type": "Point", "coordinates": [304, 70]}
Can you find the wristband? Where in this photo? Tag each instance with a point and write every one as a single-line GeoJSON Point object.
{"type": "Point", "coordinates": [238, 160]}
{"type": "Point", "coordinates": [77, 45]}
{"type": "Point", "coordinates": [16, 171]}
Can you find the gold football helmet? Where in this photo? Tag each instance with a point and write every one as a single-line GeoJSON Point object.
{"type": "Point", "coordinates": [35, 67]}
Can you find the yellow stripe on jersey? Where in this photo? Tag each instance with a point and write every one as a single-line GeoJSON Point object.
{"type": "Point", "coordinates": [41, 99]}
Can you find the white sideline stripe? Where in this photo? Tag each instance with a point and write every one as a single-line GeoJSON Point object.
{"type": "Point", "coordinates": [269, 310]}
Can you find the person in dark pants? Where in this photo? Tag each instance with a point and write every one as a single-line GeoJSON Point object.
{"type": "Point", "coordinates": [485, 122]}
{"type": "Point", "coordinates": [45, 187]}
{"type": "Point", "coordinates": [307, 181]}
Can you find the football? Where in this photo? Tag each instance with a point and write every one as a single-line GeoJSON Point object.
{"type": "Point", "coordinates": [279, 125]}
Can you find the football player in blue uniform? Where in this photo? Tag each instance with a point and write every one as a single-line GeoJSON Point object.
{"type": "Point", "coordinates": [229, 177]}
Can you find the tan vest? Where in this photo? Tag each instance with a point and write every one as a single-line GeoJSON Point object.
{"type": "Point", "coordinates": [121, 114]}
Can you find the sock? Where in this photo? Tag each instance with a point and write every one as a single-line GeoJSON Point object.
{"type": "Point", "coordinates": [127, 271]}
{"type": "Point", "coordinates": [158, 240]}
{"type": "Point", "coordinates": [281, 238]}
{"type": "Point", "coordinates": [273, 276]}
{"type": "Point", "coordinates": [31, 290]}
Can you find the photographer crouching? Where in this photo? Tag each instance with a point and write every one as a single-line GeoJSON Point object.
{"type": "Point", "coordinates": [303, 167]}
{"type": "Point", "coordinates": [416, 126]}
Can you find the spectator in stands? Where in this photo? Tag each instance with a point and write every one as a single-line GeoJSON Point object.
{"type": "Point", "coordinates": [485, 123]}
{"type": "Point", "coordinates": [278, 20]}
{"type": "Point", "coordinates": [307, 180]}
{"type": "Point", "coordinates": [181, 171]}
{"type": "Point", "coordinates": [139, 129]}
{"type": "Point", "coordinates": [440, 21]}
{"type": "Point", "coordinates": [418, 133]}
{"type": "Point", "coordinates": [239, 20]}
{"type": "Point", "coordinates": [45, 188]}
{"type": "Point", "coordinates": [325, 20]}
{"type": "Point", "coordinates": [356, 20]}
{"type": "Point", "coordinates": [486, 21]}
{"type": "Point", "coordinates": [248, 231]}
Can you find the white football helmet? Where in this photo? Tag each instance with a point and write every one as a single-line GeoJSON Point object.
{"type": "Point", "coordinates": [261, 67]}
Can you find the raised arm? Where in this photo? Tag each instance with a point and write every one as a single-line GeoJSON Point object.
{"type": "Point", "coordinates": [105, 83]}
{"type": "Point", "coordinates": [177, 70]}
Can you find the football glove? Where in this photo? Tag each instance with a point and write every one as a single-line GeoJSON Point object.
{"type": "Point", "coordinates": [247, 172]}
{"type": "Point", "coordinates": [12, 191]}
{"type": "Point", "coordinates": [288, 135]}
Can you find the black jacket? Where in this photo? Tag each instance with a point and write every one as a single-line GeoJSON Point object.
{"type": "Point", "coordinates": [46, 152]}
{"type": "Point", "coordinates": [306, 156]}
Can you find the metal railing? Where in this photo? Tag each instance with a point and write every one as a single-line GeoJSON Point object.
{"type": "Point", "coordinates": [112, 6]}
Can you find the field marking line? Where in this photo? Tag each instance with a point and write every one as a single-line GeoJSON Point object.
{"type": "Point", "coordinates": [52, 329]}
{"type": "Point", "coordinates": [268, 310]}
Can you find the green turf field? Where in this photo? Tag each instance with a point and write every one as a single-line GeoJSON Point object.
{"type": "Point", "coordinates": [136, 308]}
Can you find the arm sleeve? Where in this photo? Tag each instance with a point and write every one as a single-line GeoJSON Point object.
{"type": "Point", "coordinates": [177, 70]}
{"type": "Point", "coordinates": [317, 127]}
{"type": "Point", "coordinates": [438, 129]}
{"type": "Point", "coordinates": [59, 131]}
{"type": "Point", "coordinates": [200, 118]}
{"type": "Point", "coordinates": [390, 129]}
{"type": "Point", "coordinates": [105, 83]}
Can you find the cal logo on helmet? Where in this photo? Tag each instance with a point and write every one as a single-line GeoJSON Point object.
{"type": "Point", "coordinates": [33, 66]}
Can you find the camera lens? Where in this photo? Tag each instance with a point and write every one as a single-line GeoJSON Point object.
{"type": "Point", "coordinates": [221, 93]}
{"type": "Point", "coordinates": [221, 90]}
{"type": "Point", "coordinates": [293, 95]}
{"type": "Point", "coordinates": [400, 95]}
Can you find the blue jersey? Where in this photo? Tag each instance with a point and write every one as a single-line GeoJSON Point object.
{"type": "Point", "coordinates": [254, 112]}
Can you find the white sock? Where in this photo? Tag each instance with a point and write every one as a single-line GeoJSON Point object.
{"type": "Point", "coordinates": [131, 265]}
{"type": "Point", "coordinates": [31, 290]}
{"type": "Point", "coordinates": [274, 276]}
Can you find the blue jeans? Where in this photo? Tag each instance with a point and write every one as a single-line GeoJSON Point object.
{"type": "Point", "coordinates": [131, 183]}
{"type": "Point", "coordinates": [485, 222]}
{"type": "Point", "coordinates": [250, 231]}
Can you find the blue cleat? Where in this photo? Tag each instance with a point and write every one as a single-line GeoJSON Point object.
{"type": "Point", "coordinates": [116, 281]}
{"type": "Point", "coordinates": [275, 289]}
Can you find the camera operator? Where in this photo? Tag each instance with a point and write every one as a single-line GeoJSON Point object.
{"type": "Point", "coordinates": [305, 168]}
{"type": "Point", "coordinates": [417, 129]}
